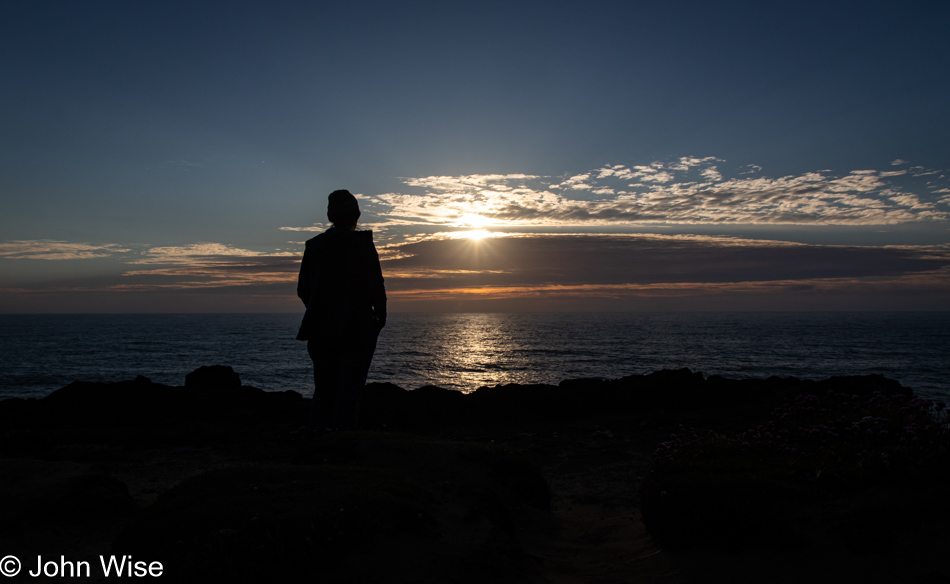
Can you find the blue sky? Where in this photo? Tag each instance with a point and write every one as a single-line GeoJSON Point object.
{"type": "Point", "coordinates": [172, 156]}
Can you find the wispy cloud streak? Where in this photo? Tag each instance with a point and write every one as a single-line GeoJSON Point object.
{"type": "Point", "coordinates": [48, 249]}
{"type": "Point", "coordinates": [209, 265]}
{"type": "Point", "coordinates": [199, 265]}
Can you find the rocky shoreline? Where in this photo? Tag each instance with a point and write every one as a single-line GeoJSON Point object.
{"type": "Point", "coordinates": [515, 483]}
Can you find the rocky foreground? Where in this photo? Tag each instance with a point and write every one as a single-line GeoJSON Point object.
{"type": "Point", "coordinates": [513, 483]}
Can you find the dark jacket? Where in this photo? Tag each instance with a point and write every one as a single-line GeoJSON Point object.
{"type": "Point", "coordinates": [341, 283]}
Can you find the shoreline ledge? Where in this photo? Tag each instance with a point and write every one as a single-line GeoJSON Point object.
{"type": "Point", "coordinates": [670, 476]}
{"type": "Point", "coordinates": [214, 394]}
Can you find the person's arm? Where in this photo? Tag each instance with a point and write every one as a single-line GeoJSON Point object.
{"type": "Point", "coordinates": [377, 289]}
{"type": "Point", "coordinates": [305, 278]}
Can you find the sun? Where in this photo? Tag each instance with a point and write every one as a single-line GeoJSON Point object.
{"type": "Point", "coordinates": [473, 221]}
{"type": "Point", "coordinates": [472, 235]}
{"type": "Point", "coordinates": [476, 235]}
{"type": "Point", "coordinates": [475, 227]}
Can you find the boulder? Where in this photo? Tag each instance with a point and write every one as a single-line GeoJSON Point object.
{"type": "Point", "coordinates": [213, 376]}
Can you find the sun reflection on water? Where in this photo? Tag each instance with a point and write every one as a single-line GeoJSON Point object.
{"type": "Point", "coordinates": [478, 350]}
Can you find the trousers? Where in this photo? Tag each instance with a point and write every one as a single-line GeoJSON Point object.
{"type": "Point", "coordinates": [338, 380]}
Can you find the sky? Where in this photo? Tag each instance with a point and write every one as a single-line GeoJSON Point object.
{"type": "Point", "coordinates": [168, 156]}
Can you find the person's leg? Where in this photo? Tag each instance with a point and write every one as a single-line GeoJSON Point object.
{"type": "Point", "coordinates": [326, 380]}
{"type": "Point", "coordinates": [354, 368]}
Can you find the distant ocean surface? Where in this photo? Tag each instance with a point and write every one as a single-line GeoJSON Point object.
{"type": "Point", "coordinates": [41, 353]}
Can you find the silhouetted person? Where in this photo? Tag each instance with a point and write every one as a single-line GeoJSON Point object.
{"type": "Point", "coordinates": [341, 284]}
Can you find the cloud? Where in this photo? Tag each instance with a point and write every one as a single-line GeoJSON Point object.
{"type": "Point", "coordinates": [638, 259]}
{"type": "Point", "coordinates": [204, 265]}
{"type": "Point", "coordinates": [314, 227]}
{"type": "Point", "coordinates": [567, 270]}
{"type": "Point", "coordinates": [525, 235]}
{"type": "Point", "coordinates": [164, 278]}
{"type": "Point", "coordinates": [221, 276]}
{"type": "Point", "coordinates": [48, 249]}
{"type": "Point", "coordinates": [918, 171]}
{"type": "Point", "coordinates": [200, 254]}
{"type": "Point", "coordinates": [684, 191]}
{"type": "Point", "coordinates": [687, 162]}
{"type": "Point", "coordinates": [527, 272]}
{"type": "Point", "coordinates": [858, 286]}
{"type": "Point", "coordinates": [750, 169]}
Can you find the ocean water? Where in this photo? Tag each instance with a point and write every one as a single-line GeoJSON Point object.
{"type": "Point", "coordinates": [41, 353]}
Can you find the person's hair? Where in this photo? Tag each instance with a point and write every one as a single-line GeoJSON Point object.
{"type": "Point", "coordinates": [342, 209]}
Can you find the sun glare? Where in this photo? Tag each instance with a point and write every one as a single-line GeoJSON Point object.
{"type": "Point", "coordinates": [475, 227]}
{"type": "Point", "coordinates": [476, 234]}
{"type": "Point", "coordinates": [470, 234]}
{"type": "Point", "coordinates": [473, 221]}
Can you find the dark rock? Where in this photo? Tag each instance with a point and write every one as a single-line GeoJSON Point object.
{"type": "Point", "coordinates": [513, 402]}
{"type": "Point", "coordinates": [25, 443]}
{"type": "Point", "coordinates": [126, 403]}
{"type": "Point", "coordinates": [215, 396]}
{"type": "Point", "coordinates": [141, 403]}
{"type": "Point", "coordinates": [390, 406]}
{"type": "Point", "coordinates": [57, 493]}
{"type": "Point", "coordinates": [383, 393]}
{"type": "Point", "coordinates": [863, 385]}
{"type": "Point", "coordinates": [213, 376]}
{"type": "Point", "coordinates": [582, 384]}
{"type": "Point", "coordinates": [411, 510]}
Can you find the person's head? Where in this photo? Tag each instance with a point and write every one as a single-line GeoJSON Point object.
{"type": "Point", "coordinates": [342, 209]}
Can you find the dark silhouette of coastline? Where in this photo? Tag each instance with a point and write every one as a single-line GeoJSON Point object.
{"type": "Point", "coordinates": [515, 483]}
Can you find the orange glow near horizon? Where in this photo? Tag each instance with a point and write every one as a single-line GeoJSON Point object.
{"type": "Point", "coordinates": [936, 279]}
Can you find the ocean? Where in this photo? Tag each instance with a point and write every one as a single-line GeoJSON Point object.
{"type": "Point", "coordinates": [41, 353]}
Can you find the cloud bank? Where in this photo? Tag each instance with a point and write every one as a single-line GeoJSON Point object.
{"type": "Point", "coordinates": [656, 272]}
{"type": "Point", "coordinates": [641, 259]}
{"type": "Point", "coordinates": [686, 191]}
{"type": "Point", "coordinates": [198, 265]}
{"type": "Point", "coordinates": [530, 242]}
